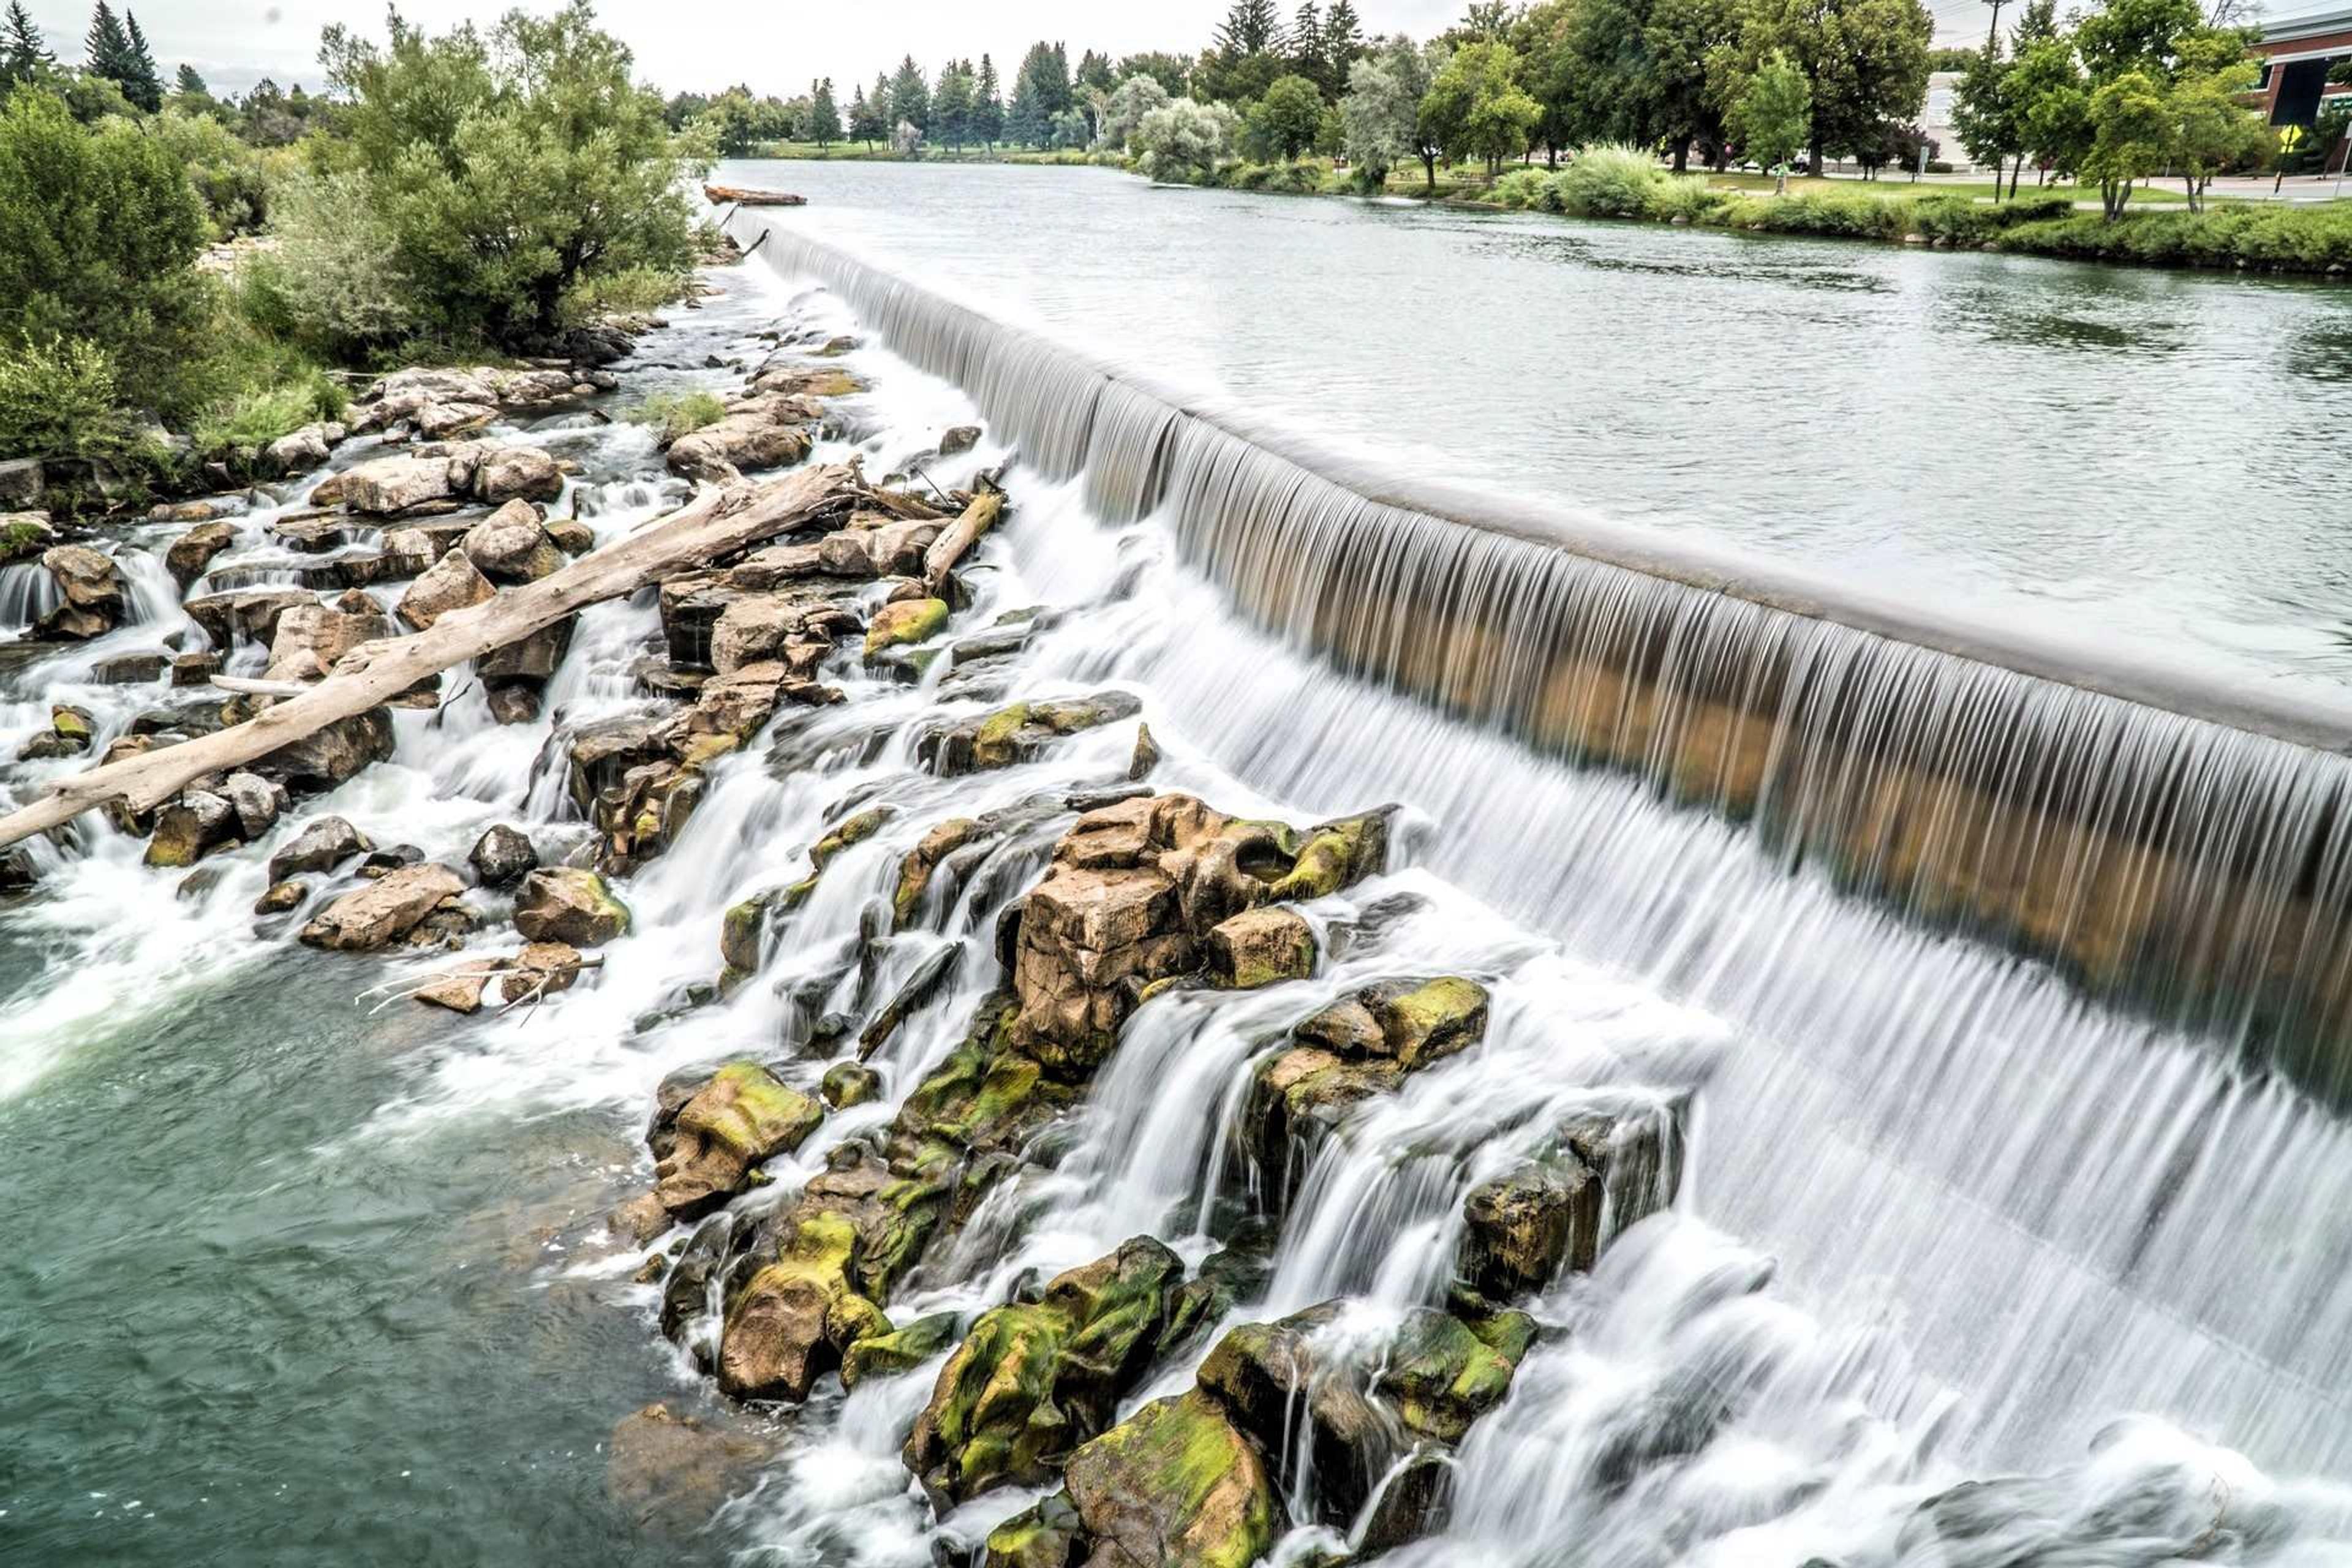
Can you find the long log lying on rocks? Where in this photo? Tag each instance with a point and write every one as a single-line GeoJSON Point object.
{"type": "Point", "coordinates": [752, 196]}
{"type": "Point", "coordinates": [948, 548]}
{"type": "Point", "coordinates": [716, 524]}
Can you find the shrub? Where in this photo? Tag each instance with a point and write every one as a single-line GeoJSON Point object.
{"type": "Point", "coordinates": [1682, 196]}
{"type": "Point", "coordinates": [1954, 219]}
{"type": "Point", "coordinates": [227, 174]}
{"type": "Point", "coordinates": [680, 414]}
{"type": "Point", "coordinates": [636, 291]}
{"type": "Point", "coordinates": [1184, 141]}
{"type": "Point", "coordinates": [55, 397]}
{"type": "Point", "coordinates": [1299, 179]}
{"type": "Point", "coordinates": [261, 414]}
{"type": "Point", "coordinates": [333, 284]}
{"type": "Point", "coordinates": [99, 235]}
{"type": "Point", "coordinates": [1523, 190]}
{"type": "Point", "coordinates": [1610, 181]}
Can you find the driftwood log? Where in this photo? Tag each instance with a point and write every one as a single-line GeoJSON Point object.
{"type": "Point", "coordinates": [949, 547]}
{"type": "Point", "coordinates": [715, 525]}
{"type": "Point", "coordinates": [750, 197]}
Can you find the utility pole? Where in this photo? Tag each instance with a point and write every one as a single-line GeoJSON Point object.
{"type": "Point", "coordinates": [1992, 33]}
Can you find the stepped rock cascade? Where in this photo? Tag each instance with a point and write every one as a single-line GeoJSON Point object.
{"type": "Point", "coordinates": [2153, 836]}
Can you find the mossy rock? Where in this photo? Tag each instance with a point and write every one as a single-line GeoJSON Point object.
{"type": "Point", "coordinates": [852, 830]}
{"type": "Point", "coordinates": [1049, 1535]}
{"type": "Point", "coordinates": [904, 624]}
{"type": "Point", "coordinates": [1425, 1021]}
{"type": "Point", "coordinates": [1334, 855]}
{"type": "Point", "coordinates": [1033, 1379]}
{"type": "Point", "coordinates": [901, 1350]}
{"type": "Point", "coordinates": [740, 933]}
{"type": "Point", "coordinates": [752, 1112]}
{"type": "Point", "coordinates": [798, 1316]}
{"type": "Point", "coordinates": [1442, 1377]}
{"type": "Point", "coordinates": [1176, 1484]}
{"type": "Point", "coordinates": [845, 1084]}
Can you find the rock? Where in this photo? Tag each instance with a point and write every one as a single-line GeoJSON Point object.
{"type": "Point", "coordinates": [1300, 1386]}
{"type": "Point", "coordinates": [383, 911]}
{"type": "Point", "coordinates": [194, 669]}
{"type": "Point", "coordinates": [1033, 1379]}
{"type": "Point", "coordinates": [191, 826]}
{"type": "Point", "coordinates": [387, 485]}
{"type": "Point", "coordinates": [1175, 1485]}
{"type": "Point", "coordinates": [22, 483]}
{"type": "Point", "coordinates": [90, 589]}
{"type": "Point", "coordinates": [845, 1084]}
{"type": "Point", "coordinates": [639, 1220]}
{"type": "Point", "coordinates": [922, 863]}
{"type": "Point", "coordinates": [1441, 1375]}
{"type": "Point", "coordinates": [283, 897]}
{"type": "Point", "coordinates": [1146, 757]}
{"type": "Point", "coordinates": [256, 801]}
{"type": "Point", "coordinates": [959, 438]}
{"type": "Point", "coordinates": [321, 846]}
{"type": "Point", "coordinates": [906, 623]}
{"type": "Point", "coordinates": [675, 1470]}
{"type": "Point", "coordinates": [763, 432]}
{"type": "Point", "coordinates": [572, 536]}
{"type": "Point", "coordinates": [799, 1315]}
{"type": "Point", "coordinates": [741, 1116]}
{"type": "Point", "coordinates": [1260, 947]}
{"type": "Point", "coordinates": [453, 582]}
{"type": "Point", "coordinates": [69, 735]}
{"type": "Point", "coordinates": [509, 545]}
{"type": "Point", "coordinates": [191, 554]}
{"type": "Point", "coordinates": [1551, 1213]}
{"type": "Point", "coordinates": [249, 616]}
{"type": "Point", "coordinates": [509, 473]}
{"type": "Point", "coordinates": [128, 669]}
{"type": "Point", "coordinates": [460, 991]}
{"type": "Point", "coordinates": [1017, 733]}
{"type": "Point", "coordinates": [299, 451]}
{"type": "Point", "coordinates": [502, 856]}
{"type": "Point", "coordinates": [1410, 1022]}
{"type": "Point", "coordinates": [330, 755]}
{"type": "Point", "coordinates": [901, 1350]}
{"type": "Point", "coordinates": [309, 638]}
{"type": "Point", "coordinates": [23, 534]}
{"type": "Point", "coordinates": [440, 421]}
{"type": "Point", "coordinates": [568, 905]}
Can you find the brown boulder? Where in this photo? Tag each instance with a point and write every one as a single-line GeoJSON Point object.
{"type": "Point", "coordinates": [382, 913]}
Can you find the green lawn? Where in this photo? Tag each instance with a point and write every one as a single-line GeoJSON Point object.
{"type": "Point", "coordinates": [1893, 185]}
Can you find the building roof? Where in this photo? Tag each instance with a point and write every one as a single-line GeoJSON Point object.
{"type": "Point", "coordinates": [2306, 24]}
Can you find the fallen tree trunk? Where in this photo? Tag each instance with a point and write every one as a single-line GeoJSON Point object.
{"type": "Point", "coordinates": [716, 524]}
{"type": "Point", "coordinates": [948, 548]}
{"type": "Point", "coordinates": [752, 196]}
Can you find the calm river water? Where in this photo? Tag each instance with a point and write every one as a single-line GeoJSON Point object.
{"type": "Point", "coordinates": [2142, 460]}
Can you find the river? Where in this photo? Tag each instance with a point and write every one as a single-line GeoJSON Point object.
{"type": "Point", "coordinates": [297, 1276]}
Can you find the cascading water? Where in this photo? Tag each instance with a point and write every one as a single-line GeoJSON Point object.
{"type": "Point", "coordinates": [1947, 1210]}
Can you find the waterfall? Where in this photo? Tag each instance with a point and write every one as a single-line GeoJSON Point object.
{"type": "Point", "coordinates": [2158, 838]}
{"type": "Point", "coordinates": [28, 592]}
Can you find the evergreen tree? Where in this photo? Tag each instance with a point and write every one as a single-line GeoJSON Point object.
{"type": "Point", "coordinates": [145, 84]}
{"type": "Point", "coordinates": [885, 122]}
{"type": "Point", "coordinates": [951, 105]}
{"type": "Point", "coordinates": [865, 124]}
{"type": "Point", "coordinates": [987, 105]}
{"type": "Point", "coordinates": [1250, 27]}
{"type": "Point", "coordinates": [1343, 42]}
{"type": "Point", "coordinates": [1094, 75]}
{"type": "Point", "coordinates": [106, 47]}
{"type": "Point", "coordinates": [825, 119]}
{"type": "Point", "coordinates": [910, 95]}
{"type": "Point", "coordinates": [24, 53]}
{"type": "Point", "coordinates": [1040, 93]}
{"type": "Point", "coordinates": [191, 85]}
{"type": "Point", "coordinates": [1306, 45]}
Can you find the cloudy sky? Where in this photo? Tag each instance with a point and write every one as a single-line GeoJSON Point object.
{"type": "Point", "coordinates": [705, 43]}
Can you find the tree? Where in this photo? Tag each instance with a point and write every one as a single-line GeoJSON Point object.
{"type": "Point", "coordinates": [1477, 106]}
{"type": "Point", "coordinates": [824, 118]}
{"type": "Point", "coordinates": [952, 104]}
{"type": "Point", "coordinates": [1865, 61]}
{"type": "Point", "coordinates": [1985, 113]}
{"type": "Point", "coordinates": [1306, 53]}
{"type": "Point", "coordinates": [1136, 97]}
{"type": "Point", "coordinates": [1483, 22]}
{"type": "Point", "coordinates": [512, 171]}
{"type": "Point", "coordinates": [145, 87]}
{"type": "Point", "coordinates": [1677, 40]}
{"type": "Point", "coordinates": [1250, 27]}
{"type": "Point", "coordinates": [1773, 117]}
{"type": "Point", "coordinates": [99, 234]}
{"type": "Point", "coordinates": [865, 123]}
{"type": "Point", "coordinates": [106, 48]}
{"type": "Point", "coordinates": [987, 105]}
{"type": "Point", "coordinates": [1343, 43]}
{"type": "Point", "coordinates": [1282, 124]}
{"type": "Point", "coordinates": [910, 96]}
{"type": "Point", "coordinates": [24, 53]}
{"type": "Point", "coordinates": [1174, 72]}
{"type": "Point", "coordinates": [2130, 132]}
{"type": "Point", "coordinates": [2212, 129]}
{"type": "Point", "coordinates": [1245, 54]}
{"type": "Point", "coordinates": [1183, 141]}
{"type": "Point", "coordinates": [1381, 114]}
{"type": "Point", "coordinates": [1041, 91]}
{"type": "Point", "coordinates": [2053, 106]}
{"type": "Point", "coordinates": [1094, 75]}
{"type": "Point", "coordinates": [189, 84]}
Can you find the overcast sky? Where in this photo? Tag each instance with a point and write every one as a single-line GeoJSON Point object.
{"type": "Point", "coordinates": [704, 44]}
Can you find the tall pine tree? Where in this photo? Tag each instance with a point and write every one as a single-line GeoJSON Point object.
{"type": "Point", "coordinates": [1343, 42]}
{"type": "Point", "coordinates": [24, 53]}
{"type": "Point", "coordinates": [910, 96]}
{"type": "Point", "coordinates": [106, 47]}
{"type": "Point", "coordinates": [987, 105]}
{"type": "Point", "coordinates": [145, 87]}
{"type": "Point", "coordinates": [192, 85]}
{"type": "Point", "coordinates": [1306, 45]}
{"type": "Point", "coordinates": [1250, 27]}
{"type": "Point", "coordinates": [824, 117]}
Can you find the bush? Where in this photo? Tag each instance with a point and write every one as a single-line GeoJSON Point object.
{"type": "Point", "coordinates": [1300, 179]}
{"type": "Point", "coordinates": [333, 284]}
{"type": "Point", "coordinates": [55, 397]}
{"type": "Point", "coordinates": [99, 234]}
{"type": "Point", "coordinates": [1610, 181]}
{"type": "Point", "coordinates": [1954, 219]}
{"type": "Point", "coordinates": [679, 414]}
{"type": "Point", "coordinates": [261, 414]}
{"type": "Point", "coordinates": [638, 291]}
{"type": "Point", "coordinates": [1525, 190]}
{"type": "Point", "coordinates": [227, 174]}
{"type": "Point", "coordinates": [1682, 196]}
{"type": "Point", "coordinates": [1183, 141]}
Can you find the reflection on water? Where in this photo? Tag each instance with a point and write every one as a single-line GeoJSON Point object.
{"type": "Point", "coordinates": [2105, 452]}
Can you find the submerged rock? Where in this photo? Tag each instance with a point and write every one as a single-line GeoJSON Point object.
{"type": "Point", "coordinates": [664, 1467]}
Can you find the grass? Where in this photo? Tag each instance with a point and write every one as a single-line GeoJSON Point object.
{"type": "Point", "coordinates": [680, 414]}
{"type": "Point", "coordinates": [1894, 185]}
